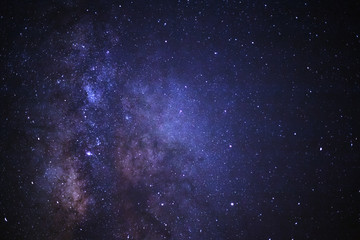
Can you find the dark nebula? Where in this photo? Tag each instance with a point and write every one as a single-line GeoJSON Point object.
{"type": "Point", "coordinates": [179, 120]}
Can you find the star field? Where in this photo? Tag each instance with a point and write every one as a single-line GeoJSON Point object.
{"type": "Point", "coordinates": [179, 120]}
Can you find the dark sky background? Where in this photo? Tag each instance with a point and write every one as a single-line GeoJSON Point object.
{"type": "Point", "coordinates": [179, 120]}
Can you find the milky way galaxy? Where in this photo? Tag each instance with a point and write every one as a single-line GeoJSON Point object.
{"type": "Point", "coordinates": [179, 120]}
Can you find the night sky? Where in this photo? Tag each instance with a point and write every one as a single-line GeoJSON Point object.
{"type": "Point", "coordinates": [180, 120]}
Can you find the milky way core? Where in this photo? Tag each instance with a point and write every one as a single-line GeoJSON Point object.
{"type": "Point", "coordinates": [179, 120]}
